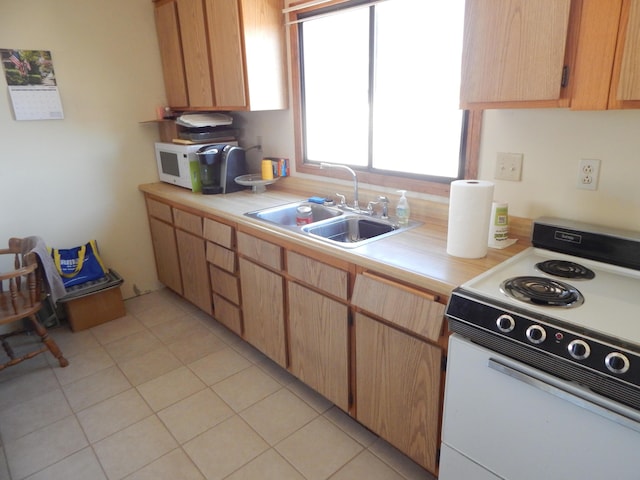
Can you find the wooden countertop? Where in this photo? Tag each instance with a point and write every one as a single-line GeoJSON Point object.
{"type": "Point", "coordinates": [417, 256]}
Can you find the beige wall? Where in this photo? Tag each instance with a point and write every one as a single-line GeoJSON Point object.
{"type": "Point", "coordinates": [553, 142]}
{"type": "Point", "coordinates": [75, 179]}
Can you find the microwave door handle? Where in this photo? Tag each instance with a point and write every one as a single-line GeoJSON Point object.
{"type": "Point", "coordinates": [575, 397]}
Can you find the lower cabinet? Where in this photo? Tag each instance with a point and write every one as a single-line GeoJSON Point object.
{"type": "Point", "coordinates": [193, 266]}
{"type": "Point", "coordinates": [263, 310]}
{"type": "Point", "coordinates": [398, 380]}
{"type": "Point", "coordinates": [294, 305]}
{"type": "Point", "coordinates": [166, 253]}
{"type": "Point", "coordinates": [319, 343]}
{"type": "Point", "coordinates": [179, 249]}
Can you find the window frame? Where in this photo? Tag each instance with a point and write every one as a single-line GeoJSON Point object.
{"type": "Point", "coordinates": [399, 181]}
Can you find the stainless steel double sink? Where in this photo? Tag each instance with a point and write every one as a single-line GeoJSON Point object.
{"type": "Point", "coordinates": [331, 224]}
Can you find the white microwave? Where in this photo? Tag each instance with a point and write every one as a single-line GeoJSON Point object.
{"type": "Point", "coordinates": [178, 165]}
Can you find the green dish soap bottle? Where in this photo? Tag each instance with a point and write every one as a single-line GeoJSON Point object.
{"type": "Point", "coordinates": [402, 209]}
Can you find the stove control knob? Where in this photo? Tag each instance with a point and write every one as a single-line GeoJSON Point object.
{"type": "Point", "coordinates": [579, 349]}
{"type": "Point", "coordinates": [505, 323]}
{"type": "Point", "coordinates": [617, 362]}
{"type": "Point", "coordinates": [536, 334]}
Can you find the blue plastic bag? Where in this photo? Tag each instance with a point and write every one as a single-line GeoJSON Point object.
{"type": "Point", "coordinates": [79, 264]}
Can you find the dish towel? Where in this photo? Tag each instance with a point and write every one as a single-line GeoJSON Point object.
{"type": "Point", "coordinates": [52, 278]}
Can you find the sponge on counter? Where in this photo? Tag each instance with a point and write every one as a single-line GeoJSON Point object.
{"type": "Point", "coordinates": [319, 200]}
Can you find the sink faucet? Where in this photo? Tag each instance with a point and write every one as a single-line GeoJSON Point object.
{"type": "Point", "coordinates": [355, 180]}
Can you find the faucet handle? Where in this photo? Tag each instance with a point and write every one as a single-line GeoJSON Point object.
{"type": "Point", "coordinates": [385, 206]}
{"type": "Point", "coordinates": [343, 199]}
{"type": "Point", "coordinates": [370, 206]}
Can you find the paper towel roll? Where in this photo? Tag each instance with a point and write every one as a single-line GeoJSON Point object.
{"type": "Point", "coordinates": [469, 212]}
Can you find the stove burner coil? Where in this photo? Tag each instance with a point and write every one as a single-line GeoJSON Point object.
{"type": "Point", "coordinates": [542, 291]}
{"type": "Point", "coordinates": [565, 269]}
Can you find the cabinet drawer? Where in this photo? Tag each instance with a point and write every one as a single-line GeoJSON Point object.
{"type": "Point", "coordinates": [219, 233]}
{"type": "Point", "coordinates": [259, 250]}
{"type": "Point", "coordinates": [188, 221]}
{"type": "Point", "coordinates": [317, 274]}
{"type": "Point", "coordinates": [406, 307]}
{"type": "Point", "coordinates": [221, 257]}
{"type": "Point", "coordinates": [227, 314]}
{"type": "Point", "coordinates": [159, 210]}
{"type": "Point", "coordinates": [225, 284]}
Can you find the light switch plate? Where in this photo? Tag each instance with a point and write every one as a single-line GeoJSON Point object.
{"type": "Point", "coordinates": [509, 166]}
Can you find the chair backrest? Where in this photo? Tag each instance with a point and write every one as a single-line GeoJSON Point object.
{"type": "Point", "coordinates": [20, 289]}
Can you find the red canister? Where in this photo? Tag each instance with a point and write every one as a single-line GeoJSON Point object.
{"type": "Point", "coordinates": [303, 215]}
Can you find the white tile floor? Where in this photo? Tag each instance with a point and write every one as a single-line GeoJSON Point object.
{"type": "Point", "coordinates": [167, 393]}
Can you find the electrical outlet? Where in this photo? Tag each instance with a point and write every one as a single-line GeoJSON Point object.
{"type": "Point", "coordinates": [509, 166]}
{"type": "Point", "coordinates": [588, 172]}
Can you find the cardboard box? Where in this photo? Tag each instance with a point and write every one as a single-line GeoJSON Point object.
{"type": "Point", "coordinates": [94, 304]}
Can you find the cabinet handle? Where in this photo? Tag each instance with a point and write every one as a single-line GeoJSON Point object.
{"type": "Point", "coordinates": [565, 77]}
{"type": "Point", "coordinates": [590, 402]}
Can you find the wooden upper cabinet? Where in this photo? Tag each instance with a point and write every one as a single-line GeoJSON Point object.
{"type": "Point", "coordinates": [626, 73]}
{"type": "Point", "coordinates": [223, 54]}
{"type": "Point", "coordinates": [265, 54]}
{"type": "Point", "coordinates": [606, 73]}
{"type": "Point", "coordinates": [514, 51]}
{"type": "Point", "coordinates": [591, 77]}
{"type": "Point", "coordinates": [225, 41]}
{"type": "Point", "coordinates": [171, 53]}
{"type": "Point", "coordinates": [195, 50]}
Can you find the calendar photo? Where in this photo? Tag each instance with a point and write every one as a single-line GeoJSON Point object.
{"type": "Point", "coordinates": [28, 67]}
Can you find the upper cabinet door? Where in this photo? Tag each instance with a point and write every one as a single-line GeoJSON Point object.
{"type": "Point", "coordinates": [225, 42]}
{"type": "Point", "coordinates": [265, 54]}
{"type": "Point", "coordinates": [514, 50]}
{"type": "Point", "coordinates": [629, 81]}
{"type": "Point", "coordinates": [171, 49]}
{"type": "Point", "coordinates": [223, 54]}
{"type": "Point", "coordinates": [607, 66]}
{"type": "Point", "coordinates": [597, 39]}
{"type": "Point", "coordinates": [196, 54]}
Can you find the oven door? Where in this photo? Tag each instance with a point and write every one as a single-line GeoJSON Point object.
{"type": "Point", "coordinates": [520, 423]}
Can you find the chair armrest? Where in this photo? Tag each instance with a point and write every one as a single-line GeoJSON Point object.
{"type": "Point", "coordinates": [21, 272]}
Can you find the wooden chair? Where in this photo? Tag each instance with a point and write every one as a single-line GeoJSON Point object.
{"type": "Point", "coordinates": [21, 296]}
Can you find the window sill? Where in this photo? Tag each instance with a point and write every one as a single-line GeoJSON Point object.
{"type": "Point", "coordinates": [386, 181]}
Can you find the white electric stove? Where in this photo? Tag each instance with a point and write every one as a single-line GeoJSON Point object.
{"type": "Point", "coordinates": [545, 357]}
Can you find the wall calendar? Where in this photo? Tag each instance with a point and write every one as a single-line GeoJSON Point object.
{"type": "Point", "coordinates": [32, 84]}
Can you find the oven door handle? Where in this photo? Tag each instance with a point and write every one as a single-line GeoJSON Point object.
{"type": "Point", "coordinates": [590, 402]}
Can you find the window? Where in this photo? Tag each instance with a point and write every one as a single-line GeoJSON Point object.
{"type": "Point", "coordinates": [379, 88]}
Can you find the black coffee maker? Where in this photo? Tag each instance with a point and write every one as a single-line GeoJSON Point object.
{"type": "Point", "coordinates": [219, 166]}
